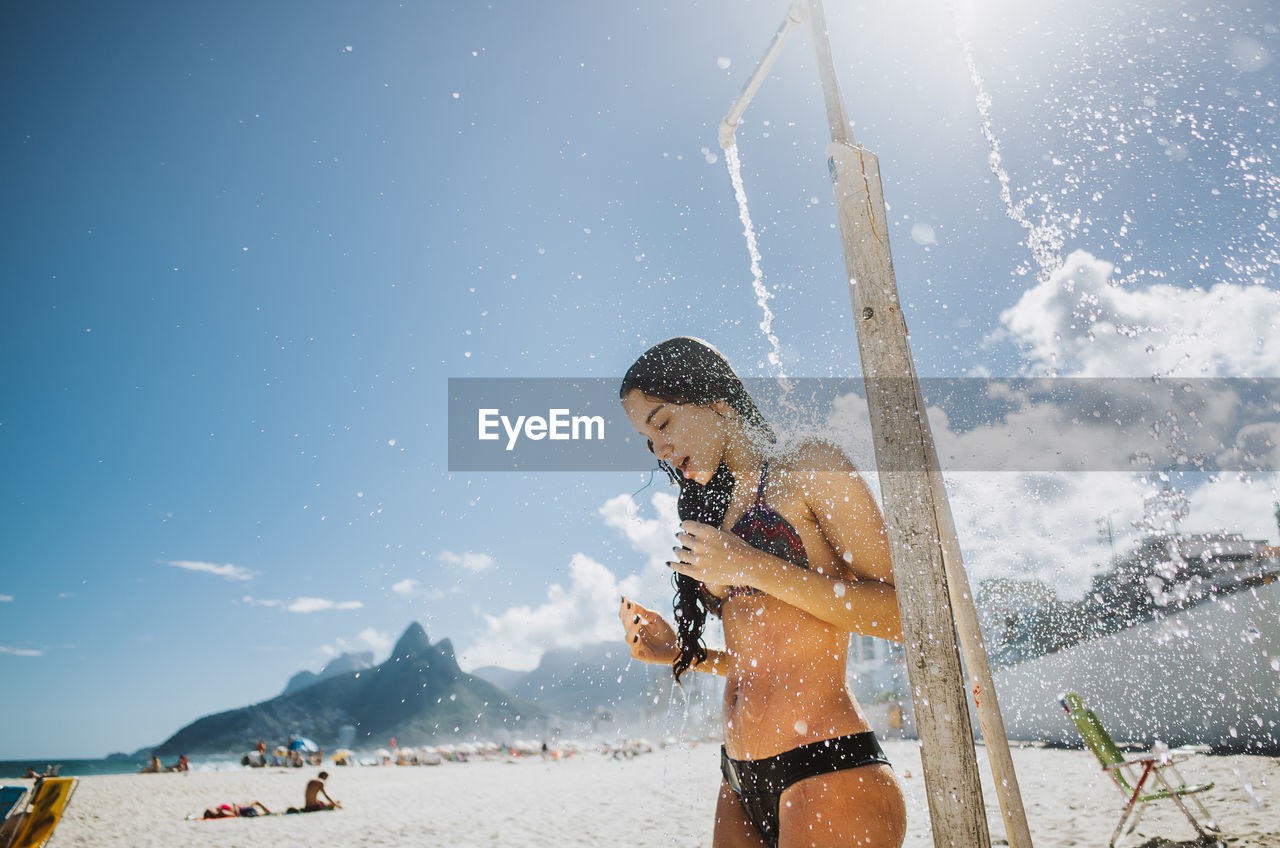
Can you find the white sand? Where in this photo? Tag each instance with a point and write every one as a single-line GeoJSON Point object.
{"type": "Point", "coordinates": [663, 798]}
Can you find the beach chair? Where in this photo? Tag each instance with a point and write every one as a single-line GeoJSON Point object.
{"type": "Point", "coordinates": [1137, 775]}
{"type": "Point", "coordinates": [12, 803]}
{"type": "Point", "coordinates": [32, 828]}
{"type": "Point", "coordinates": [10, 798]}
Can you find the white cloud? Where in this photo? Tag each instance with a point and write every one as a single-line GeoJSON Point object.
{"type": "Point", "coordinates": [379, 641]}
{"type": "Point", "coordinates": [369, 639]}
{"type": "Point", "coordinates": [249, 600]}
{"type": "Point", "coordinates": [1084, 322]}
{"type": "Point", "coordinates": [470, 561]}
{"type": "Point", "coordinates": [1239, 503]}
{"type": "Point", "coordinates": [306, 605]}
{"type": "Point", "coordinates": [653, 537]}
{"type": "Point", "coordinates": [410, 588]}
{"type": "Point", "coordinates": [1042, 526]}
{"type": "Point", "coordinates": [4, 599]}
{"type": "Point", "coordinates": [584, 612]}
{"type": "Point", "coordinates": [1081, 322]}
{"type": "Point", "coordinates": [407, 588]}
{"type": "Point", "coordinates": [21, 652]}
{"type": "Point", "coordinates": [1045, 525]}
{"type": "Point", "coordinates": [229, 571]}
{"type": "Point", "coordinates": [302, 605]}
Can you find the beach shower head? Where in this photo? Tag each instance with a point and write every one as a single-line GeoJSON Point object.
{"type": "Point", "coordinates": [729, 124]}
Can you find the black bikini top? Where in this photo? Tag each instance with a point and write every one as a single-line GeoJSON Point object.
{"type": "Point", "coordinates": [764, 529]}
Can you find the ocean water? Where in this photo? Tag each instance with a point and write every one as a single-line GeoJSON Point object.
{"type": "Point", "coordinates": [117, 765]}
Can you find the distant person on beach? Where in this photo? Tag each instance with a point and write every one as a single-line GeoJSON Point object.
{"type": "Point", "coordinates": [153, 765]}
{"type": "Point", "coordinates": [183, 764]}
{"type": "Point", "coordinates": [788, 548]}
{"type": "Point", "coordinates": [227, 811]}
{"type": "Point", "coordinates": [315, 788]}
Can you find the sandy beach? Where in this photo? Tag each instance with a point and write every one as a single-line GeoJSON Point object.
{"type": "Point", "coordinates": [661, 798]}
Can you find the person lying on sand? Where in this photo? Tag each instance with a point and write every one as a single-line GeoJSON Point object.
{"type": "Point", "coordinates": [315, 788]}
{"type": "Point", "coordinates": [229, 811]}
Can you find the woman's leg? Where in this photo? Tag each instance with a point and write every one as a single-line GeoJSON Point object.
{"type": "Point", "coordinates": [733, 828]}
{"type": "Point", "coordinates": [861, 807]}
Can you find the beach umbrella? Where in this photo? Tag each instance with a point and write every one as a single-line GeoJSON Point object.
{"type": "Point", "coordinates": [302, 743]}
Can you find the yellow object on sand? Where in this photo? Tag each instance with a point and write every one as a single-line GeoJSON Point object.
{"type": "Point", "coordinates": [47, 806]}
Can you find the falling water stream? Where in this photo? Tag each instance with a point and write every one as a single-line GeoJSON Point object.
{"type": "Point", "coordinates": [1045, 240]}
{"type": "Point", "coordinates": [763, 295]}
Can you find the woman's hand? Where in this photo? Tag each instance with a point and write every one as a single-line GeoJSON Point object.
{"type": "Point", "coordinates": [649, 636]}
{"type": "Point", "coordinates": [715, 557]}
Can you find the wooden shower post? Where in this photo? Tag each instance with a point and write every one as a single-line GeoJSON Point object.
{"type": "Point", "coordinates": [933, 590]}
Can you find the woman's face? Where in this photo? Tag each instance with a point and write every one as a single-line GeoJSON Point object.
{"type": "Point", "coordinates": [689, 438]}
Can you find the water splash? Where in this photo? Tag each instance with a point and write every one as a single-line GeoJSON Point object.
{"type": "Point", "coordinates": [1045, 240]}
{"type": "Point", "coordinates": [1255, 798]}
{"type": "Point", "coordinates": [763, 295]}
{"type": "Point", "coordinates": [681, 724]}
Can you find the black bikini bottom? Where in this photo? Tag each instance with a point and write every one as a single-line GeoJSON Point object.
{"type": "Point", "coordinates": [759, 784]}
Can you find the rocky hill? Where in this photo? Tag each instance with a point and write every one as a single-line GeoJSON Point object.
{"type": "Point", "coordinates": [599, 689]}
{"type": "Point", "coordinates": [344, 664]}
{"type": "Point", "coordinates": [418, 695]}
{"type": "Point", "coordinates": [589, 679]}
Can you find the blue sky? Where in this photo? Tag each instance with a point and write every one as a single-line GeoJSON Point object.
{"type": "Point", "coordinates": [245, 246]}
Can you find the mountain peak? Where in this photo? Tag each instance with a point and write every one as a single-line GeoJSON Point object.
{"type": "Point", "coordinates": [414, 642]}
{"type": "Point", "coordinates": [445, 649]}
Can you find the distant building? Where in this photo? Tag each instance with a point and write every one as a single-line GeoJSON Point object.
{"type": "Point", "coordinates": [1163, 572]}
{"type": "Point", "coordinates": [875, 669]}
{"type": "Point", "coordinates": [1000, 599]}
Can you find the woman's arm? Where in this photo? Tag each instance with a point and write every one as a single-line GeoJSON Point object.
{"type": "Point", "coordinates": [869, 607]}
{"type": "Point", "coordinates": [862, 606]}
{"type": "Point", "coordinates": [651, 639]}
{"type": "Point", "coordinates": [717, 662]}
{"type": "Point", "coordinates": [861, 599]}
{"type": "Point", "coordinates": [846, 512]}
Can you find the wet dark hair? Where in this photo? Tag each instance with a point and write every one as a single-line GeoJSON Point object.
{"type": "Point", "coordinates": [690, 371]}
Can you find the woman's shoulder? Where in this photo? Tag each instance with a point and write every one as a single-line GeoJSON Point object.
{"type": "Point", "coordinates": [814, 456]}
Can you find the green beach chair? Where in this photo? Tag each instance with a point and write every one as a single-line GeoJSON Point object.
{"type": "Point", "coordinates": [1131, 774]}
{"type": "Point", "coordinates": [10, 800]}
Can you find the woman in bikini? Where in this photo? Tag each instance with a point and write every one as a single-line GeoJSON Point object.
{"type": "Point", "coordinates": [789, 550]}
